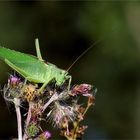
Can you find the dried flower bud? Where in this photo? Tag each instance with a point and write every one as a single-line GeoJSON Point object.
{"type": "Point", "coordinates": [13, 81]}
{"type": "Point", "coordinates": [32, 130]}
{"type": "Point", "coordinates": [13, 88]}
{"type": "Point", "coordinates": [44, 136]}
{"type": "Point", "coordinates": [82, 129]}
{"type": "Point", "coordinates": [83, 89]}
{"type": "Point", "coordinates": [81, 109]}
{"type": "Point", "coordinates": [91, 99]}
{"type": "Point", "coordinates": [47, 134]}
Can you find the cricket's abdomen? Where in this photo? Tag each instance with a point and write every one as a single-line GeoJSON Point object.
{"type": "Point", "coordinates": [33, 72]}
{"type": "Point", "coordinates": [30, 67]}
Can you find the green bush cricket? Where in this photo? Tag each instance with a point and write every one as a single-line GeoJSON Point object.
{"type": "Point", "coordinates": [34, 69]}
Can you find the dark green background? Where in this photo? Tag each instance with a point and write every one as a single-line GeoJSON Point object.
{"type": "Point", "coordinates": [67, 28]}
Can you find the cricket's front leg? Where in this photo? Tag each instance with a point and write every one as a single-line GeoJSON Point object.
{"type": "Point", "coordinates": [69, 84]}
{"type": "Point", "coordinates": [43, 86]}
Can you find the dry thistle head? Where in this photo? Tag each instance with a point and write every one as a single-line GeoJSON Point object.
{"type": "Point", "coordinates": [13, 88]}
{"type": "Point", "coordinates": [60, 112]}
{"type": "Point", "coordinates": [82, 89]}
{"type": "Point", "coordinates": [29, 92]}
{"type": "Point", "coordinates": [13, 81]}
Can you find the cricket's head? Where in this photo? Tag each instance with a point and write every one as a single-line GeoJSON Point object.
{"type": "Point", "coordinates": [61, 77]}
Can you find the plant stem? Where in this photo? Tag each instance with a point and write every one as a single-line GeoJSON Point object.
{"type": "Point", "coordinates": [17, 107]}
{"type": "Point", "coordinates": [27, 120]}
{"type": "Point", "coordinates": [53, 98]}
{"type": "Point", "coordinates": [76, 126]}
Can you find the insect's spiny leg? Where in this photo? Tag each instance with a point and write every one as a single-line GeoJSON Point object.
{"type": "Point", "coordinates": [69, 84]}
{"type": "Point", "coordinates": [25, 82]}
{"type": "Point", "coordinates": [43, 86]}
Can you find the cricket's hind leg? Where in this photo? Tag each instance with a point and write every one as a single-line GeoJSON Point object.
{"type": "Point", "coordinates": [38, 49]}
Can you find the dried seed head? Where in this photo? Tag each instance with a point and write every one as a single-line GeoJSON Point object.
{"type": "Point", "coordinates": [29, 92]}
{"type": "Point", "coordinates": [60, 112]}
{"type": "Point", "coordinates": [13, 81]}
{"type": "Point", "coordinates": [47, 134]}
{"type": "Point", "coordinates": [36, 111]}
{"type": "Point", "coordinates": [12, 89]}
{"type": "Point", "coordinates": [82, 89]}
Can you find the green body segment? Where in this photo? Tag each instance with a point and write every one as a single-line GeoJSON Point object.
{"type": "Point", "coordinates": [27, 65]}
{"type": "Point", "coordinates": [31, 68]}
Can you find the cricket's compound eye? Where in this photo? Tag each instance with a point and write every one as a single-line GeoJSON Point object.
{"type": "Point", "coordinates": [63, 75]}
{"type": "Point", "coordinates": [63, 72]}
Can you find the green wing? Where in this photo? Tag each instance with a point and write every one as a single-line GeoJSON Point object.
{"type": "Point", "coordinates": [28, 66]}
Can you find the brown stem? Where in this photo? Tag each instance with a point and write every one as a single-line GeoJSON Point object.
{"type": "Point", "coordinates": [27, 120]}
{"type": "Point", "coordinates": [76, 125]}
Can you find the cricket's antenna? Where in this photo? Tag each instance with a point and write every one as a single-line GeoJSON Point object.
{"type": "Point", "coordinates": [92, 45]}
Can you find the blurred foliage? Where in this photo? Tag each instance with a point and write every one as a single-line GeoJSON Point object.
{"type": "Point", "coordinates": [65, 30]}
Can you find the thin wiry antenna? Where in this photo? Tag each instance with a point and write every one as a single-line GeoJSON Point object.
{"type": "Point", "coordinates": [96, 42]}
{"type": "Point", "coordinates": [92, 45]}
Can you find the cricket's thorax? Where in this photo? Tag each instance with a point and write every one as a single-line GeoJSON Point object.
{"type": "Point", "coordinates": [56, 73]}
